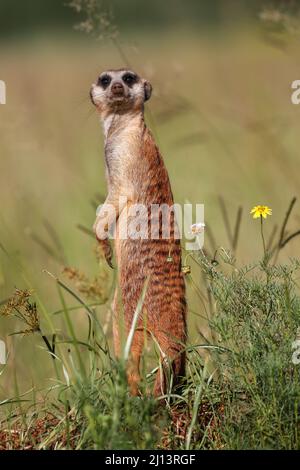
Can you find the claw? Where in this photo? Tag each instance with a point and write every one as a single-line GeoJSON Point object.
{"type": "Point", "coordinates": [107, 251]}
{"type": "Point", "coordinates": [109, 262]}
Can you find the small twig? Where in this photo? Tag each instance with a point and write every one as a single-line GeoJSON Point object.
{"type": "Point", "coordinates": [121, 52]}
{"type": "Point", "coordinates": [282, 242]}
{"type": "Point", "coordinates": [226, 220]}
{"type": "Point", "coordinates": [287, 216]}
{"type": "Point", "coordinates": [210, 237]}
{"type": "Point", "coordinates": [56, 240]}
{"type": "Point", "coordinates": [85, 230]}
{"type": "Point", "coordinates": [50, 348]}
{"type": "Point", "coordinates": [237, 228]}
{"type": "Point", "coordinates": [288, 239]}
{"type": "Point", "coordinates": [44, 245]}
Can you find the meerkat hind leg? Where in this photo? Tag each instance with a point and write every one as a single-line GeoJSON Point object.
{"type": "Point", "coordinates": [116, 324]}
{"type": "Point", "coordinates": [172, 364]}
{"type": "Point", "coordinates": [133, 368]}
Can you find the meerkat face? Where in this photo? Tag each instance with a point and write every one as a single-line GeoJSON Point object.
{"type": "Point", "coordinates": [119, 91]}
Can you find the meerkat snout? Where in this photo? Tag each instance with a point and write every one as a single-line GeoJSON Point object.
{"type": "Point", "coordinates": [119, 91]}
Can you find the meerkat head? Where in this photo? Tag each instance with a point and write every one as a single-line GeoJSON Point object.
{"type": "Point", "coordinates": [119, 91]}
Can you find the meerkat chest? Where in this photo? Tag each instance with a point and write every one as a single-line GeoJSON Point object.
{"type": "Point", "coordinates": [122, 150]}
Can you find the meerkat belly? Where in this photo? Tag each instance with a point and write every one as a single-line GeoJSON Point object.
{"type": "Point", "coordinates": [135, 243]}
{"type": "Point", "coordinates": [157, 262]}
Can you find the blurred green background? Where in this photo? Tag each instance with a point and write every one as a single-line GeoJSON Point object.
{"type": "Point", "coordinates": [30, 16]}
{"type": "Point", "coordinates": [221, 113]}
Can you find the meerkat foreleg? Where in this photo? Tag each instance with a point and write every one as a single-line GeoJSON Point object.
{"type": "Point", "coordinates": [105, 222]}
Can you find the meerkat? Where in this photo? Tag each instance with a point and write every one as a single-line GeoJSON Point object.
{"type": "Point", "coordinates": [136, 174]}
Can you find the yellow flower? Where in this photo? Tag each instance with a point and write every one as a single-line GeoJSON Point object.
{"type": "Point", "coordinates": [261, 211]}
{"type": "Point", "coordinates": [187, 270]}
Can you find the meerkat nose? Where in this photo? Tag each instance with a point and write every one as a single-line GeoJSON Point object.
{"type": "Point", "coordinates": [117, 87]}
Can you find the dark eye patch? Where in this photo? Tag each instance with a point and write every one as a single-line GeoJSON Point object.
{"type": "Point", "coordinates": [129, 78]}
{"type": "Point", "coordinates": [104, 81]}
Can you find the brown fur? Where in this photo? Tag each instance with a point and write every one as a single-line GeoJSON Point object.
{"type": "Point", "coordinates": [135, 169]}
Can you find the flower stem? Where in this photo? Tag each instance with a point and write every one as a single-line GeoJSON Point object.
{"type": "Point", "coordinates": [262, 234]}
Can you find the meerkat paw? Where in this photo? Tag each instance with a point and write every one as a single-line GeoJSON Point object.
{"type": "Point", "coordinates": [107, 251]}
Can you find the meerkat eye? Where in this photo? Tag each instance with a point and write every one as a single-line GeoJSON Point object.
{"type": "Point", "coordinates": [104, 81]}
{"type": "Point", "coordinates": [129, 78]}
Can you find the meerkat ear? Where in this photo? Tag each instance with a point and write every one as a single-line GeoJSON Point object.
{"type": "Point", "coordinates": [147, 89]}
